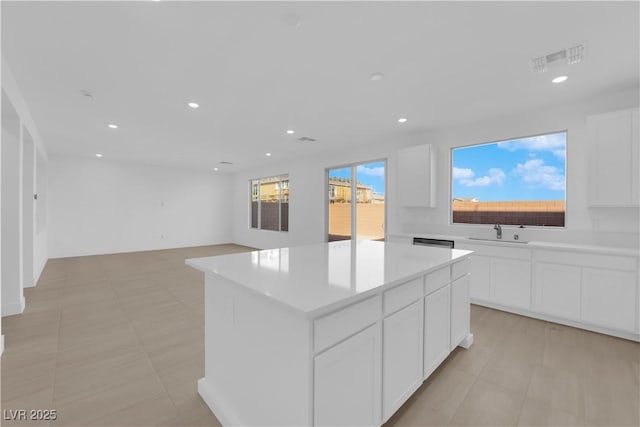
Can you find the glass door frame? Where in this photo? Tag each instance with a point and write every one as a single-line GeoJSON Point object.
{"type": "Point", "coordinates": [354, 199]}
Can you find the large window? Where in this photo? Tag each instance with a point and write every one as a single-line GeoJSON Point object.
{"type": "Point", "coordinates": [518, 182]}
{"type": "Point", "coordinates": [270, 203]}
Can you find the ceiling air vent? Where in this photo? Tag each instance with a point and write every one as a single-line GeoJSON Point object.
{"type": "Point", "coordinates": [226, 163]}
{"type": "Point", "coordinates": [306, 139]}
{"type": "Point", "coordinates": [569, 56]}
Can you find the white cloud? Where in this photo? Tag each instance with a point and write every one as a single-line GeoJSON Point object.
{"type": "Point", "coordinates": [379, 171]}
{"type": "Point", "coordinates": [496, 176]}
{"type": "Point", "coordinates": [555, 142]}
{"type": "Point", "coordinates": [535, 172]}
{"type": "Point", "coordinates": [462, 173]}
{"type": "Point", "coordinates": [560, 153]}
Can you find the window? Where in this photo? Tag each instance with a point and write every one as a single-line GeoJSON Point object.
{"type": "Point", "coordinates": [270, 203]}
{"type": "Point", "coordinates": [518, 182]}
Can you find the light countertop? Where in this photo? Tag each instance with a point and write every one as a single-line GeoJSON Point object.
{"type": "Point", "coordinates": [311, 279]}
{"type": "Point", "coordinates": [534, 244]}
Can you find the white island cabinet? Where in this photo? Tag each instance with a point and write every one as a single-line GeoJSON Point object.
{"type": "Point", "coordinates": [331, 334]}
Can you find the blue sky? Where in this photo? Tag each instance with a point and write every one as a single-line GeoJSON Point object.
{"type": "Point", "coordinates": [519, 169]}
{"type": "Point", "coordinates": [371, 174]}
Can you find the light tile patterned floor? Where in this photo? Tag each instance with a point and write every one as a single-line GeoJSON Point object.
{"type": "Point", "coordinates": [117, 340]}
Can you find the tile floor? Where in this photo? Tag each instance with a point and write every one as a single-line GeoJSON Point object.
{"type": "Point", "coordinates": [117, 340]}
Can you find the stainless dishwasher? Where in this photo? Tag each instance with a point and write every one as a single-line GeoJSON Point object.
{"type": "Point", "coordinates": [421, 241]}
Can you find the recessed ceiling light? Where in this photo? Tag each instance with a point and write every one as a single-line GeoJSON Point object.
{"type": "Point", "coordinates": [98, 155]}
{"type": "Point", "coordinates": [267, 154]}
{"type": "Point", "coordinates": [112, 126]}
{"type": "Point", "coordinates": [215, 169]}
{"type": "Point", "coordinates": [559, 79]}
{"type": "Point", "coordinates": [375, 77]}
{"type": "Point", "coordinates": [402, 120]}
{"type": "Point", "coordinates": [291, 131]}
{"type": "Point", "coordinates": [193, 105]}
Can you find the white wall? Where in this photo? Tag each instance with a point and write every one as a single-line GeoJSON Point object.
{"type": "Point", "coordinates": [12, 91]}
{"type": "Point", "coordinates": [99, 206]}
{"type": "Point", "coordinates": [612, 226]}
{"type": "Point", "coordinates": [11, 290]}
{"type": "Point", "coordinates": [617, 227]}
{"type": "Point", "coordinates": [307, 196]}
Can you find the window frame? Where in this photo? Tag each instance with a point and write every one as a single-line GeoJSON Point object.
{"type": "Point", "coordinates": [566, 181]}
{"type": "Point", "coordinates": [283, 177]}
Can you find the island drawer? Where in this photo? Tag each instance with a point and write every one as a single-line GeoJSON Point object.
{"type": "Point", "coordinates": [436, 280]}
{"type": "Point", "coordinates": [336, 326]}
{"type": "Point", "coordinates": [403, 295]}
{"type": "Point", "coordinates": [459, 269]}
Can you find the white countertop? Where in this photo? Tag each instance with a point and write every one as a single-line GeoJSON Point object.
{"type": "Point", "coordinates": [312, 279]}
{"type": "Point", "coordinates": [534, 244]}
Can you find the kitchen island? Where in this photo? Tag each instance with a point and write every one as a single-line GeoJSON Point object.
{"type": "Point", "coordinates": [337, 333]}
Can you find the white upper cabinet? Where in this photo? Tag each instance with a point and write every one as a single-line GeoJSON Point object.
{"type": "Point", "coordinates": [416, 176]}
{"type": "Point", "coordinates": [613, 167]}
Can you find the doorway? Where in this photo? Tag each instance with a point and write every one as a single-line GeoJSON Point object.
{"type": "Point", "coordinates": [356, 207]}
{"type": "Point", "coordinates": [28, 223]}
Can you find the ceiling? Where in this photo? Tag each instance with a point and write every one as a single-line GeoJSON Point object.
{"type": "Point", "coordinates": [258, 69]}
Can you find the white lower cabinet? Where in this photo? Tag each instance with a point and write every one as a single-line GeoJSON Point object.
{"type": "Point", "coordinates": [480, 286]}
{"type": "Point", "coordinates": [402, 357]}
{"type": "Point", "coordinates": [347, 381]}
{"type": "Point", "coordinates": [460, 315]}
{"type": "Point", "coordinates": [558, 289]}
{"type": "Point", "coordinates": [363, 378]}
{"type": "Point", "coordinates": [511, 282]}
{"type": "Point", "coordinates": [500, 275]}
{"type": "Point", "coordinates": [609, 298]}
{"type": "Point", "coordinates": [437, 315]}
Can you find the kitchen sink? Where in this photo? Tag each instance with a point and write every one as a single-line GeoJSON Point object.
{"type": "Point", "coordinates": [522, 242]}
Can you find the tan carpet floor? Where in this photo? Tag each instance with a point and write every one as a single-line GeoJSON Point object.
{"type": "Point", "coordinates": [117, 340]}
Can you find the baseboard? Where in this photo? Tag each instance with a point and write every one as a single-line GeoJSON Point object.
{"type": "Point", "coordinates": [40, 270]}
{"type": "Point", "coordinates": [216, 405]}
{"type": "Point", "coordinates": [28, 283]}
{"type": "Point", "coordinates": [1, 344]}
{"type": "Point", "coordinates": [15, 308]}
{"type": "Point", "coordinates": [136, 249]}
{"type": "Point", "coordinates": [573, 323]}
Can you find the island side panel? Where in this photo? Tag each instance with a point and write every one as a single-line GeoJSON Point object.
{"type": "Point", "coordinates": [258, 367]}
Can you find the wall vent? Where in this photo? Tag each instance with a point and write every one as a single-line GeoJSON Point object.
{"type": "Point", "coordinates": [569, 56]}
{"type": "Point", "coordinates": [306, 139]}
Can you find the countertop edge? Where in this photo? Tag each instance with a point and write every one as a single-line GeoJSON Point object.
{"type": "Point", "coordinates": [534, 244]}
{"type": "Point", "coordinates": [337, 305]}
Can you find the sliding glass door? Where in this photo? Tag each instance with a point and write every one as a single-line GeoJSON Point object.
{"type": "Point", "coordinates": [356, 201]}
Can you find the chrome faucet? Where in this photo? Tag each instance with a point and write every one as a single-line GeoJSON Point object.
{"type": "Point", "coordinates": [498, 229]}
